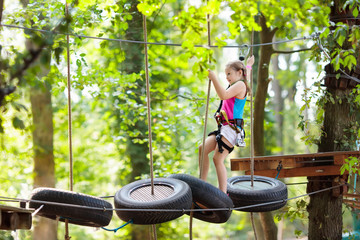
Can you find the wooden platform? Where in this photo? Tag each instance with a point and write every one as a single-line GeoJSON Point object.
{"type": "Point", "coordinates": [297, 165]}
{"type": "Point", "coordinates": [12, 218]}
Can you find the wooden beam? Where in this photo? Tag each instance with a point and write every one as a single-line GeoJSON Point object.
{"type": "Point", "coordinates": [332, 170]}
{"type": "Point", "coordinates": [350, 195]}
{"type": "Point", "coordinates": [352, 203]}
{"type": "Point", "coordinates": [12, 218]}
{"type": "Point", "coordinates": [292, 161]}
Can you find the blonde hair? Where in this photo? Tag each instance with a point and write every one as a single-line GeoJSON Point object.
{"type": "Point", "coordinates": [238, 65]}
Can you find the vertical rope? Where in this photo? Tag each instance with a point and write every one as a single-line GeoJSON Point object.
{"type": "Point", "coordinates": [149, 114]}
{"type": "Point", "coordinates": [252, 135]}
{"type": "Point", "coordinates": [207, 102]}
{"type": "Point", "coordinates": [205, 122]}
{"type": "Point", "coordinates": [67, 237]}
{"type": "Point", "coordinates": [253, 225]}
{"type": "Point", "coordinates": [154, 231]}
{"type": "Point", "coordinates": [148, 105]}
{"type": "Point", "coordinates": [252, 118]}
{"type": "Point", "coordinates": [191, 222]}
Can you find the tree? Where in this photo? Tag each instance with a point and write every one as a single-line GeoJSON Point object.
{"type": "Point", "coordinates": [340, 126]}
{"type": "Point", "coordinates": [44, 165]}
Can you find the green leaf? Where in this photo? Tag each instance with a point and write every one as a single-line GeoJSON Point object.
{"type": "Point", "coordinates": [78, 62]}
{"type": "Point", "coordinates": [18, 123]}
{"type": "Point", "coordinates": [355, 12]}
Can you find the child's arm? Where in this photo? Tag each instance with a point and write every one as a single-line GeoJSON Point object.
{"type": "Point", "coordinates": [226, 93]}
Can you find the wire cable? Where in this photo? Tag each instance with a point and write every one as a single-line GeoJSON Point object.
{"type": "Point", "coordinates": [158, 43]}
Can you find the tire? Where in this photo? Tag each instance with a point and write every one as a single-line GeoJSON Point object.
{"type": "Point", "coordinates": [75, 215]}
{"type": "Point", "coordinates": [265, 190]}
{"type": "Point", "coordinates": [168, 194]}
{"type": "Point", "coordinates": [205, 196]}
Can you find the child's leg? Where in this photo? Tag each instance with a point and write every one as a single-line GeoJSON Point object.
{"type": "Point", "coordinates": [221, 172]}
{"type": "Point", "coordinates": [210, 144]}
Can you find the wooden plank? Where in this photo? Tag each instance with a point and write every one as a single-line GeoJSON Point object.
{"type": "Point", "coordinates": [300, 172]}
{"type": "Point", "coordinates": [351, 202]}
{"type": "Point", "coordinates": [12, 218]}
{"type": "Point", "coordinates": [263, 165]}
{"type": "Point", "coordinates": [350, 195]}
{"type": "Point", "coordinates": [290, 161]}
{"type": "Point", "coordinates": [16, 209]}
{"type": "Point", "coordinates": [307, 155]}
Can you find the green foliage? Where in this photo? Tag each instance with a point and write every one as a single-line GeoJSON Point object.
{"type": "Point", "coordinates": [351, 166]}
{"type": "Point", "coordinates": [342, 40]}
{"type": "Point", "coordinates": [108, 102]}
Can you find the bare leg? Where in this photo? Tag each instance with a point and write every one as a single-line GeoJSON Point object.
{"type": "Point", "coordinates": [221, 172]}
{"type": "Point", "coordinates": [210, 144]}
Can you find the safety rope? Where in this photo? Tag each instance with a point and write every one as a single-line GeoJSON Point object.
{"type": "Point", "coordinates": [149, 113]}
{"type": "Point", "coordinates": [201, 164]}
{"type": "Point", "coordinates": [252, 163]}
{"type": "Point", "coordinates": [207, 102]}
{"type": "Point", "coordinates": [67, 237]}
{"type": "Point", "coordinates": [312, 36]}
{"type": "Point", "coordinates": [116, 229]}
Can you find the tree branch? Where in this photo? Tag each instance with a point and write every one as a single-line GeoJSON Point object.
{"type": "Point", "coordinates": [289, 52]}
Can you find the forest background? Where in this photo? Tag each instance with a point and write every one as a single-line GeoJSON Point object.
{"type": "Point", "coordinates": [109, 113]}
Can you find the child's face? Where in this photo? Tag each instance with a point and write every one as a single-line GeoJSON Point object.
{"type": "Point", "coordinates": [232, 75]}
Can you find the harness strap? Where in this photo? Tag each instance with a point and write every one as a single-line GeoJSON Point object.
{"type": "Point", "coordinates": [233, 126]}
{"type": "Point", "coordinates": [220, 142]}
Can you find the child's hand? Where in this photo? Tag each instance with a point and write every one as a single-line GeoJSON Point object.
{"type": "Point", "coordinates": [211, 75]}
{"type": "Point", "coordinates": [250, 61]}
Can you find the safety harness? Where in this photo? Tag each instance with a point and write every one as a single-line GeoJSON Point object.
{"type": "Point", "coordinates": [236, 124]}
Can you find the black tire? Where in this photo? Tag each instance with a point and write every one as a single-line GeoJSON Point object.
{"type": "Point", "coordinates": [75, 215]}
{"type": "Point", "coordinates": [168, 194]}
{"type": "Point", "coordinates": [205, 196]}
{"type": "Point", "coordinates": [265, 190]}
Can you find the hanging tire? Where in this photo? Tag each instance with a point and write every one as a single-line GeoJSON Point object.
{"type": "Point", "coordinates": [169, 194]}
{"type": "Point", "coordinates": [265, 190]}
{"type": "Point", "coordinates": [74, 215]}
{"type": "Point", "coordinates": [206, 196]}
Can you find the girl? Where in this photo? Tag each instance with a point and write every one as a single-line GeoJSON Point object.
{"type": "Point", "coordinates": [234, 98]}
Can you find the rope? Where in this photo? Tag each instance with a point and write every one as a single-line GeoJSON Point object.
{"type": "Point", "coordinates": [253, 224]}
{"type": "Point", "coordinates": [69, 105]}
{"type": "Point", "coordinates": [148, 106]}
{"type": "Point", "coordinates": [158, 43]}
{"type": "Point", "coordinates": [154, 231]}
{"type": "Point", "coordinates": [206, 115]}
{"type": "Point", "coordinates": [149, 113]}
{"type": "Point", "coordinates": [252, 163]}
{"type": "Point", "coordinates": [116, 229]}
{"type": "Point", "coordinates": [5, 199]}
{"type": "Point", "coordinates": [207, 102]}
{"type": "Point", "coordinates": [67, 237]}
{"type": "Point", "coordinates": [252, 120]}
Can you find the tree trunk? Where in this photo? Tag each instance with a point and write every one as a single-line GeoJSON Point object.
{"type": "Point", "coordinates": [134, 63]}
{"type": "Point", "coordinates": [262, 87]}
{"type": "Point", "coordinates": [266, 35]}
{"type": "Point", "coordinates": [44, 167]}
{"type": "Point", "coordinates": [325, 211]}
